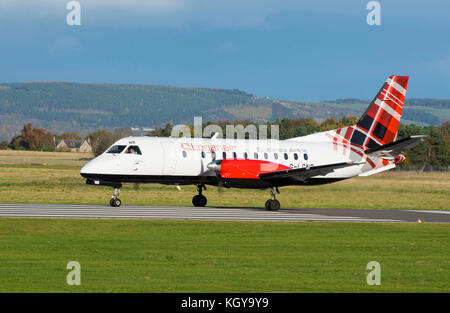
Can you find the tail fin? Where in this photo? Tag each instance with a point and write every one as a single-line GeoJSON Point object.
{"type": "Point", "coordinates": [379, 124]}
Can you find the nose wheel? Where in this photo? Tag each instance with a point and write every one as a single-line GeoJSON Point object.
{"type": "Point", "coordinates": [273, 204]}
{"type": "Point", "coordinates": [115, 201]}
{"type": "Point", "coordinates": [199, 200]}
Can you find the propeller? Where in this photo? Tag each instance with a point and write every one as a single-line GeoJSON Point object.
{"type": "Point", "coordinates": [215, 166]}
{"type": "Point", "coordinates": [220, 183]}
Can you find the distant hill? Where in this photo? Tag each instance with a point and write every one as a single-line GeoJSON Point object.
{"type": "Point", "coordinates": [60, 106]}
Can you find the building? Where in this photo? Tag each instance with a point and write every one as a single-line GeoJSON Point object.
{"type": "Point", "coordinates": [73, 145]}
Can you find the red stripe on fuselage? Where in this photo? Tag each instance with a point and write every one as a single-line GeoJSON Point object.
{"type": "Point", "coordinates": [248, 169]}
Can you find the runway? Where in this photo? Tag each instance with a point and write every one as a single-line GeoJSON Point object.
{"type": "Point", "coordinates": [219, 213]}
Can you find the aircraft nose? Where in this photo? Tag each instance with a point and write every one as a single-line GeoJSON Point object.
{"type": "Point", "coordinates": [87, 168]}
{"type": "Point", "coordinates": [99, 165]}
{"type": "Point", "coordinates": [94, 166]}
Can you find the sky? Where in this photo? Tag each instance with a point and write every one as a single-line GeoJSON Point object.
{"type": "Point", "coordinates": [283, 49]}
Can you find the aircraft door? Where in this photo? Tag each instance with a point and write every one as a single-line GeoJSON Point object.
{"type": "Point", "coordinates": [169, 157]}
{"type": "Point", "coordinates": [137, 163]}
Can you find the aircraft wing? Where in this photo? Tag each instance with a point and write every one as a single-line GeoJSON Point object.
{"type": "Point", "coordinates": [391, 150]}
{"type": "Point", "coordinates": [302, 174]}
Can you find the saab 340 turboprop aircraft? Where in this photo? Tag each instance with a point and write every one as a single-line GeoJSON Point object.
{"type": "Point", "coordinates": [367, 148]}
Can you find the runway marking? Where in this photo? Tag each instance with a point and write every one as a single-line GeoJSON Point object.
{"type": "Point", "coordinates": [436, 212]}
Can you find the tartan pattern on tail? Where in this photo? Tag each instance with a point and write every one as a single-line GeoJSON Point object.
{"type": "Point", "coordinates": [379, 124]}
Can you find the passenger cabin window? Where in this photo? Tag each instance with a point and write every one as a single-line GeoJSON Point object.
{"type": "Point", "coordinates": [286, 156]}
{"type": "Point", "coordinates": [305, 156]}
{"type": "Point", "coordinates": [133, 150]}
{"type": "Point", "coordinates": [184, 154]}
{"type": "Point", "coordinates": [234, 155]}
{"type": "Point", "coordinates": [255, 155]}
{"type": "Point", "coordinates": [224, 155]}
{"type": "Point", "coordinates": [275, 155]}
{"type": "Point", "coordinates": [266, 156]}
{"type": "Point", "coordinates": [245, 155]}
{"type": "Point", "coordinates": [116, 149]}
{"type": "Point", "coordinates": [203, 154]}
{"type": "Point", "coordinates": [295, 156]}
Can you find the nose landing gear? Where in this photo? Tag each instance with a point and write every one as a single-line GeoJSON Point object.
{"type": "Point", "coordinates": [273, 204]}
{"type": "Point", "coordinates": [115, 201]}
{"type": "Point", "coordinates": [199, 200]}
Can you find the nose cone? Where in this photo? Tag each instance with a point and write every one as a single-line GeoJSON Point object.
{"type": "Point", "coordinates": [89, 168]}
{"type": "Point", "coordinates": [103, 164]}
{"type": "Point", "coordinates": [93, 167]}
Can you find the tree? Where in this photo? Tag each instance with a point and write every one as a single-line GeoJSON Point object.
{"type": "Point", "coordinates": [348, 121]}
{"type": "Point", "coordinates": [33, 139]}
{"type": "Point", "coordinates": [444, 147]}
{"type": "Point", "coordinates": [329, 124]}
{"type": "Point", "coordinates": [69, 135]}
{"type": "Point", "coordinates": [286, 128]}
{"type": "Point", "coordinates": [163, 132]}
{"type": "Point", "coordinates": [100, 141]}
{"type": "Point", "coordinates": [305, 126]}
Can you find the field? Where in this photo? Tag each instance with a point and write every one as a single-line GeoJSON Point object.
{"type": "Point", "coordinates": [53, 177]}
{"type": "Point", "coordinates": [191, 256]}
{"type": "Point", "coordinates": [198, 256]}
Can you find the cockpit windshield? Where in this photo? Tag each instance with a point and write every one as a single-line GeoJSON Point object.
{"type": "Point", "coordinates": [116, 149]}
{"type": "Point", "coordinates": [133, 150]}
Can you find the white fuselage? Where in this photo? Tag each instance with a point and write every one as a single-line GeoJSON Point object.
{"type": "Point", "coordinates": [189, 160]}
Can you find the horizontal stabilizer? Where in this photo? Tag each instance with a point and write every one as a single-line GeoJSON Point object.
{"type": "Point", "coordinates": [302, 174]}
{"type": "Point", "coordinates": [391, 150]}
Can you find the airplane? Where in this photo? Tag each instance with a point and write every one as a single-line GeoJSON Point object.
{"type": "Point", "coordinates": [364, 149]}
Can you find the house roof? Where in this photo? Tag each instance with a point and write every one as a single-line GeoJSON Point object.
{"type": "Point", "coordinates": [72, 143]}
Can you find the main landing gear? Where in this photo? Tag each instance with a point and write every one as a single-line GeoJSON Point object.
{"type": "Point", "coordinates": [273, 204]}
{"type": "Point", "coordinates": [115, 201]}
{"type": "Point", "coordinates": [199, 200]}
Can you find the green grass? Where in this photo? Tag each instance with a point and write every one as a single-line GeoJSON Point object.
{"type": "Point", "coordinates": [192, 256]}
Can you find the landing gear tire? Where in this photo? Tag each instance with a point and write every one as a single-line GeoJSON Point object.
{"type": "Point", "coordinates": [115, 202]}
{"type": "Point", "coordinates": [272, 205]}
{"type": "Point", "coordinates": [199, 200]}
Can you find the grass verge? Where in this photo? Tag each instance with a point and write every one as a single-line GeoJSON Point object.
{"type": "Point", "coordinates": [195, 256]}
